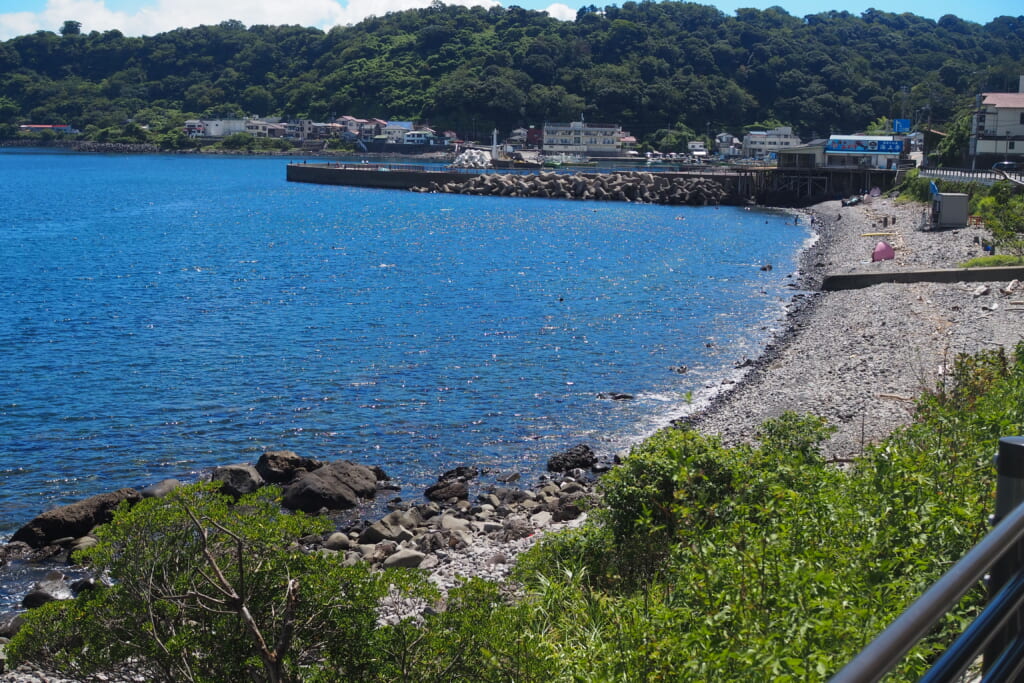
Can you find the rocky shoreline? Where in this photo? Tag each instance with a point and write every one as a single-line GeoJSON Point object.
{"type": "Point", "coordinates": [857, 358]}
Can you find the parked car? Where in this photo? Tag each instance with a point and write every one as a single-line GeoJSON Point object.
{"type": "Point", "coordinates": [1006, 166]}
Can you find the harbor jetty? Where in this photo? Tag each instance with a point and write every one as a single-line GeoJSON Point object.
{"type": "Point", "coordinates": [699, 189]}
{"type": "Point", "coordinates": [692, 185]}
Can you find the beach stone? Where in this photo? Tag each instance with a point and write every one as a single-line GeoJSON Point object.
{"type": "Point", "coordinates": [445, 490]}
{"type": "Point", "coordinates": [237, 480]}
{"type": "Point", "coordinates": [280, 467]}
{"type": "Point", "coordinates": [76, 519]}
{"type": "Point", "coordinates": [83, 542]}
{"type": "Point", "coordinates": [53, 587]}
{"type": "Point", "coordinates": [450, 522]}
{"type": "Point", "coordinates": [10, 623]}
{"type": "Point", "coordinates": [515, 528]}
{"type": "Point", "coordinates": [384, 530]}
{"type": "Point", "coordinates": [405, 557]}
{"type": "Point", "coordinates": [338, 541]}
{"type": "Point", "coordinates": [335, 486]}
{"type": "Point", "coordinates": [541, 519]}
{"type": "Point", "coordinates": [160, 489]}
{"type": "Point", "coordinates": [85, 585]}
{"type": "Point", "coordinates": [579, 456]}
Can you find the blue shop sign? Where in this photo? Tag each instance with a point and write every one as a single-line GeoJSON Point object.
{"type": "Point", "coordinates": [865, 146]}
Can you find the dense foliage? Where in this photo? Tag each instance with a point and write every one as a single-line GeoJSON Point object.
{"type": "Point", "coordinates": [658, 68]}
{"type": "Point", "coordinates": [765, 563]}
{"type": "Point", "coordinates": [754, 563]}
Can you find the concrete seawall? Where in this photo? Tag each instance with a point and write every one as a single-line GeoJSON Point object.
{"type": "Point", "coordinates": [834, 283]}
{"type": "Point", "coordinates": [385, 176]}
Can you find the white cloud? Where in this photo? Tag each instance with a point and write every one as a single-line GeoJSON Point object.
{"type": "Point", "coordinates": [158, 16]}
{"type": "Point", "coordinates": [560, 11]}
{"type": "Point", "coordinates": [17, 24]}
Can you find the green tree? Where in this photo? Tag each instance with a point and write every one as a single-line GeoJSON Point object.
{"type": "Point", "coordinates": [71, 28]}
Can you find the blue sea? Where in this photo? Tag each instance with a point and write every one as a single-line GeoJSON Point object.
{"type": "Point", "coordinates": [162, 315]}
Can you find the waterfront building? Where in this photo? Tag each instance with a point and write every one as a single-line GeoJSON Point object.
{"type": "Point", "coordinates": [865, 151]}
{"type": "Point", "coordinates": [215, 128]}
{"type": "Point", "coordinates": [265, 129]}
{"type": "Point", "coordinates": [581, 138]}
{"type": "Point", "coordinates": [395, 131]}
{"type": "Point", "coordinates": [997, 128]}
{"type": "Point", "coordinates": [762, 144]}
{"type": "Point", "coordinates": [728, 146]}
{"type": "Point", "coordinates": [361, 128]}
{"type": "Point", "coordinates": [299, 130]}
{"type": "Point", "coordinates": [423, 136]}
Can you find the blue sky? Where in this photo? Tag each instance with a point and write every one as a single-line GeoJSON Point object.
{"type": "Point", "coordinates": [146, 17]}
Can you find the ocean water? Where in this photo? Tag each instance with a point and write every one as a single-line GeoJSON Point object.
{"type": "Point", "coordinates": [161, 315]}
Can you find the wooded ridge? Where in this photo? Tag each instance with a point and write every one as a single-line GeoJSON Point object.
{"type": "Point", "coordinates": [663, 70]}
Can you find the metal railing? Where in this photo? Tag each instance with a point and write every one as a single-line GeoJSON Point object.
{"type": "Point", "coordinates": [997, 634]}
{"type": "Point", "coordinates": [969, 175]}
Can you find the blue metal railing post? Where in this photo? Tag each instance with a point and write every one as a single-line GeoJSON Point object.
{"type": "Point", "coordinates": [1009, 494]}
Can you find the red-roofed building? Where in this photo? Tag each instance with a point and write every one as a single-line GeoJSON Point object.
{"type": "Point", "coordinates": [997, 128]}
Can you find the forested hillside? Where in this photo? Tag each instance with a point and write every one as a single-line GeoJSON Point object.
{"type": "Point", "coordinates": [654, 67]}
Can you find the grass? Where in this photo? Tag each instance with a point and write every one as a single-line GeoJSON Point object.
{"type": "Point", "coordinates": [995, 261]}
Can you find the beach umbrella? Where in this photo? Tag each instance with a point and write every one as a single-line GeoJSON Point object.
{"type": "Point", "coordinates": [883, 251]}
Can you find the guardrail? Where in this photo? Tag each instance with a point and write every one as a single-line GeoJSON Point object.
{"type": "Point", "coordinates": [998, 632]}
{"type": "Point", "coordinates": [969, 175]}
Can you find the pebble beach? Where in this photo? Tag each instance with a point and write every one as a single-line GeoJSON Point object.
{"type": "Point", "coordinates": [859, 357]}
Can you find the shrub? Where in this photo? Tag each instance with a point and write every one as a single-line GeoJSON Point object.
{"type": "Point", "coordinates": [206, 590]}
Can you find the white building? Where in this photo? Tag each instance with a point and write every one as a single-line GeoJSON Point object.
{"type": "Point", "coordinates": [423, 136]}
{"type": "Point", "coordinates": [395, 131]}
{"type": "Point", "coordinates": [216, 128]}
{"type": "Point", "coordinates": [763, 143]}
{"type": "Point", "coordinates": [580, 138]}
{"type": "Point", "coordinates": [997, 128]}
{"type": "Point", "coordinates": [728, 145]}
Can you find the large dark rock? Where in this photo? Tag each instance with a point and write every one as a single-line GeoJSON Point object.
{"type": "Point", "coordinates": [281, 467]}
{"type": "Point", "coordinates": [237, 480]}
{"type": "Point", "coordinates": [580, 456]}
{"type": "Point", "coordinates": [74, 520]}
{"type": "Point", "coordinates": [336, 486]}
{"type": "Point", "coordinates": [448, 488]}
{"type": "Point", "coordinates": [452, 484]}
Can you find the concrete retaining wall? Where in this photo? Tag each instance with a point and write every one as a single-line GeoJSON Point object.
{"type": "Point", "coordinates": [834, 283]}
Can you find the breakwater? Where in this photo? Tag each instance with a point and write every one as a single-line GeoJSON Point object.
{"type": "Point", "coordinates": [676, 188]}
{"type": "Point", "coordinates": [649, 188]}
{"type": "Point", "coordinates": [383, 176]}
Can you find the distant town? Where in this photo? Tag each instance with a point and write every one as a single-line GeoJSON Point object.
{"type": "Point", "coordinates": [996, 127]}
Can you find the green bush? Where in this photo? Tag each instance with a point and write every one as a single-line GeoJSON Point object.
{"type": "Point", "coordinates": [204, 589]}
{"type": "Point", "coordinates": [765, 563]}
